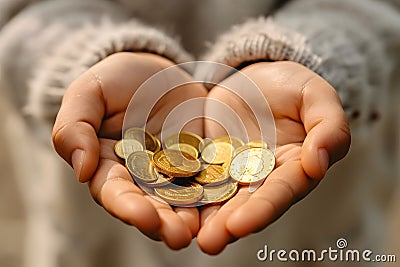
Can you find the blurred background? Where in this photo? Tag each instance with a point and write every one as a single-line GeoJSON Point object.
{"type": "Point", "coordinates": [12, 217]}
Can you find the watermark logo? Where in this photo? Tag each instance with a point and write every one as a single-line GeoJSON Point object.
{"type": "Point", "coordinates": [341, 243]}
{"type": "Point", "coordinates": [340, 253]}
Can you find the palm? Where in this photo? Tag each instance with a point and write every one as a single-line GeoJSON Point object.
{"type": "Point", "coordinates": [291, 91]}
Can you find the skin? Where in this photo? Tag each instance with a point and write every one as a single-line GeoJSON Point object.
{"type": "Point", "coordinates": [312, 134]}
{"type": "Point", "coordinates": [308, 117]}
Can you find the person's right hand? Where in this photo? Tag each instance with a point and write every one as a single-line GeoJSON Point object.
{"type": "Point", "coordinates": [312, 133]}
{"type": "Point", "coordinates": [90, 121]}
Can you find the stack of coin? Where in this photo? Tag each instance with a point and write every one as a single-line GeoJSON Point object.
{"type": "Point", "coordinates": [191, 170]}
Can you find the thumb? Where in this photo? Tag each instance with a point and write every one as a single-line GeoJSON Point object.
{"type": "Point", "coordinates": [78, 120]}
{"type": "Point", "coordinates": [77, 144]}
{"type": "Point", "coordinates": [328, 133]}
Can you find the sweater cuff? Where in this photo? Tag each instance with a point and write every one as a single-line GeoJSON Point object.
{"type": "Point", "coordinates": [86, 47]}
{"type": "Point", "coordinates": [262, 40]}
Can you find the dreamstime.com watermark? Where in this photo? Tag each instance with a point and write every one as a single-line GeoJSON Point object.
{"type": "Point", "coordinates": [340, 253]}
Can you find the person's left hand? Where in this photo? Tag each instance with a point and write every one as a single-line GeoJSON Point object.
{"type": "Point", "coordinates": [90, 122]}
{"type": "Point", "coordinates": [312, 133]}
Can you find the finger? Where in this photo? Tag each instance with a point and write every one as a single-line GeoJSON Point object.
{"type": "Point", "coordinates": [175, 233]}
{"type": "Point", "coordinates": [207, 213]}
{"type": "Point", "coordinates": [93, 97]}
{"type": "Point", "coordinates": [113, 188]}
{"type": "Point", "coordinates": [174, 230]}
{"type": "Point", "coordinates": [121, 198]}
{"type": "Point", "coordinates": [74, 133]}
{"type": "Point", "coordinates": [190, 216]}
{"type": "Point", "coordinates": [213, 235]}
{"type": "Point", "coordinates": [328, 132]}
{"type": "Point", "coordinates": [286, 185]}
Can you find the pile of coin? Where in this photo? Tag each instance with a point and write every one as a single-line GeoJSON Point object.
{"type": "Point", "coordinates": [190, 170]}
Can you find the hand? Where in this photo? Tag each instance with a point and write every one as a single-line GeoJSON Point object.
{"type": "Point", "coordinates": [92, 113]}
{"type": "Point", "coordinates": [312, 134]}
{"type": "Point", "coordinates": [89, 123]}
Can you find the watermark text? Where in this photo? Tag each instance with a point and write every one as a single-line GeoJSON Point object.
{"type": "Point", "coordinates": [338, 253]}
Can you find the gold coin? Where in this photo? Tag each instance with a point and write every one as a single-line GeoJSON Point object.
{"type": "Point", "coordinates": [185, 148]}
{"type": "Point", "coordinates": [135, 133]}
{"type": "Point", "coordinates": [219, 193]}
{"type": "Point", "coordinates": [118, 149]}
{"type": "Point", "coordinates": [205, 142]}
{"type": "Point", "coordinates": [240, 149]}
{"type": "Point", "coordinates": [149, 141]}
{"type": "Point", "coordinates": [162, 180]}
{"type": "Point", "coordinates": [185, 138]}
{"type": "Point", "coordinates": [123, 148]}
{"type": "Point", "coordinates": [234, 141]}
{"type": "Point", "coordinates": [257, 143]}
{"type": "Point", "coordinates": [213, 174]}
{"type": "Point", "coordinates": [217, 153]}
{"type": "Point", "coordinates": [226, 165]}
{"type": "Point", "coordinates": [186, 194]}
{"type": "Point", "coordinates": [157, 145]}
{"type": "Point", "coordinates": [140, 166]}
{"type": "Point", "coordinates": [176, 163]}
{"type": "Point", "coordinates": [252, 165]}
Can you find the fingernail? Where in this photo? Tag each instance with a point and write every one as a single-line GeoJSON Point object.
{"type": "Point", "coordinates": [323, 160]}
{"type": "Point", "coordinates": [77, 161]}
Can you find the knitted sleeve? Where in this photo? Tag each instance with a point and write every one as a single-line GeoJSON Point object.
{"type": "Point", "coordinates": [352, 44]}
{"type": "Point", "coordinates": [49, 44]}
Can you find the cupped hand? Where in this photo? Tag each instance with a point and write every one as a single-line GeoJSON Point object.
{"type": "Point", "coordinates": [312, 133]}
{"type": "Point", "coordinates": [90, 121]}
